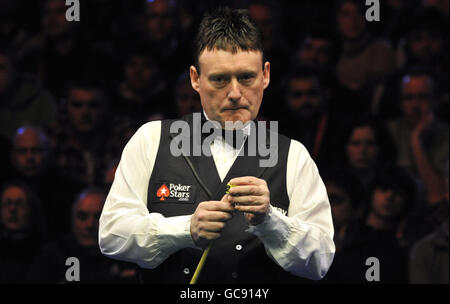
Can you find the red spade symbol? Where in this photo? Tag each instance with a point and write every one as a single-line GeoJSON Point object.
{"type": "Point", "coordinates": [162, 192]}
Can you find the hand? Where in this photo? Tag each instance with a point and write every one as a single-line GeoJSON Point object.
{"type": "Point", "coordinates": [209, 219]}
{"type": "Point", "coordinates": [426, 119]}
{"type": "Point", "coordinates": [251, 196]}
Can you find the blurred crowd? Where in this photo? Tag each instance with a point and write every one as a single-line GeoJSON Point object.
{"type": "Point", "coordinates": [369, 100]}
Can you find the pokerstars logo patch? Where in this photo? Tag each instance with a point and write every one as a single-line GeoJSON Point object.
{"type": "Point", "coordinates": [173, 192]}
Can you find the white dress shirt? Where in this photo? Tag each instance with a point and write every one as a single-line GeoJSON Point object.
{"type": "Point", "coordinates": [301, 242]}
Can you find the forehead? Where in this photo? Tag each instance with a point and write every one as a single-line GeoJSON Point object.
{"type": "Point", "coordinates": [14, 192]}
{"type": "Point", "coordinates": [81, 94]}
{"type": "Point", "coordinates": [92, 202]}
{"type": "Point", "coordinates": [300, 83]}
{"type": "Point", "coordinates": [27, 137]}
{"type": "Point", "coordinates": [412, 83]}
{"type": "Point", "coordinates": [221, 61]}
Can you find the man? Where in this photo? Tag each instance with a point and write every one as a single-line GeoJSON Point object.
{"type": "Point", "coordinates": [31, 162]}
{"type": "Point", "coordinates": [310, 118]}
{"type": "Point", "coordinates": [251, 237]}
{"type": "Point", "coordinates": [51, 266]}
{"type": "Point", "coordinates": [421, 139]}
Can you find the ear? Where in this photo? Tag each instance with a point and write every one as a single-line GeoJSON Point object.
{"type": "Point", "coordinates": [195, 82]}
{"type": "Point", "coordinates": [266, 74]}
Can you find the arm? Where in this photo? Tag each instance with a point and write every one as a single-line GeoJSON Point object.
{"type": "Point", "coordinates": [127, 230]}
{"type": "Point", "coordinates": [302, 242]}
{"type": "Point", "coordinates": [434, 182]}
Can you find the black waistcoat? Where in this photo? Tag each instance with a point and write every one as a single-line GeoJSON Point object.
{"type": "Point", "coordinates": [235, 257]}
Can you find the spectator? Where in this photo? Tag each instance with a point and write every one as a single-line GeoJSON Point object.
{"type": "Point", "coordinates": [374, 237]}
{"type": "Point", "coordinates": [186, 98]}
{"type": "Point", "coordinates": [86, 138]}
{"type": "Point", "coordinates": [82, 243]}
{"type": "Point", "coordinates": [143, 90]}
{"type": "Point", "coordinates": [428, 262]}
{"type": "Point", "coordinates": [22, 231]}
{"type": "Point", "coordinates": [364, 60]}
{"type": "Point", "coordinates": [32, 163]}
{"type": "Point", "coordinates": [424, 44]}
{"type": "Point", "coordinates": [308, 118]}
{"type": "Point", "coordinates": [367, 145]}
{"type": "Point", "coordinates": [22, 99]}
{"type": "Point", "coordinates": [421, 139]}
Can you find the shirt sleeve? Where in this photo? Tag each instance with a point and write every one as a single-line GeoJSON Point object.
{"type": "Point", "coordinates": [127, 231]}
{"type": "Point", "coordinates": [301, 242]}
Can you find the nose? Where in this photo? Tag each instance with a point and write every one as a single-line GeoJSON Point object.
{"type": "Point", "coordinates": [235, 94]}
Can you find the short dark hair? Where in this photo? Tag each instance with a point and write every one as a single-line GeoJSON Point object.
{"type": "Point", "coordinates": [229, 30]}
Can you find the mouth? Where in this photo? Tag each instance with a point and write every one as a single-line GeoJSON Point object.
{"type": "Point", "coordinates": [234, 109]}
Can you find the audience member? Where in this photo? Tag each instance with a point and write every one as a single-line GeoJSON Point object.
{"type": "Point", "coordinates": [82, 244]}
{"type": "Point", "coordinates": [86, 138]}
{"type": "Point", "coordinates": [421, 139]}
{"type": "Point", "coordinates": [31, 162]}
{"type": "Point", "coordinates": [22, 231]}
{"type": "Point", "coordinates": [22, 98]}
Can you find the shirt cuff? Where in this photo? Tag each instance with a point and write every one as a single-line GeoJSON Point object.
{"type": "Point", "coordinates": [176, 232]}
{"type": "Point", "coordinates": [274, 231]}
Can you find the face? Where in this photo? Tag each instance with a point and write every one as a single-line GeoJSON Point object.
{"type": "Point", "coordinates": [315, 53]}
{"type": "Point", "coordinates": [29, 154]}
{"type": "Point", "coordinates": [263, 18]}
{"type": "Point", "coordinates": [85, 217]}
{"type": "Point", "coordinates": [15, 210]}
{"type": "Point", "coordinates": [187, 99]}
{"type": "Point", "coordinates": [160, 20]}
{"type": "Point", "coordinates": [139, 72]}
{"type": "Point", "coordinates": [425, 46]}
{"type": "Point", "coordinates": [341, 208]}
{"type": "Point", "coordinates": [351, 22]}
{"type": "Point", "coordinates": [387, 203]}
{"type": "Point", "coordinates": [231, 86]}
{"type": "Point", "coordinates": [362, 149]}
{"type": "Point", "coordinates": [416, 98]}
{"type": "Point", "coordinates": [84, 109]}
{"type": "Point", "coordinates": [54, 19]}
{"type": "Point", "coordinates": [304, 97]}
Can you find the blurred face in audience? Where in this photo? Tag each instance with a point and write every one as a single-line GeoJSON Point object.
{"type": "Point", "coordinates": [159, 19]}
{"type": "Point", "coordinates": [187, 99]}
{"type": "Point", "coordinates": [85, 216]}
{"type": "Point", "coordinates": [85, 109]}
{"type": "Point", "coordinates": [417, 98]}
{"type": "Point", "coordinates": [387, 203]}
{"type": "Point", "coordinates": [29, 154]}
{"type": "Point", "coordinates": [15, 210]}
{"type": "Point", "coordinates": [362, 149]}
{"type": "Point", "coordinates": [340, 202]}
{"type": "Point", "coordinates": [262, 15]}
{"type": "Point", "coordinates": [304, 97]}
{"type": "Point", "coordinates": [351, 22]}
{"type": "Point", "coordinates": [425, 46]}
{"type": "Point", "coordinates": [315, 53]}
{"type": "Point", "coordinates": [139, 72]}
{"type": "Point", "coordinates": [54, 19]}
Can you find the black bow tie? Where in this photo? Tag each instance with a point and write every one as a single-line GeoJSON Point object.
{"type": "Point", "coordinates": [234, 138]}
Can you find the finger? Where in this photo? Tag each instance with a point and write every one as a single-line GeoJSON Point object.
{"type": "Point", "coordinates": [246, 190]}
{"type": "Point", "coordinates": [250, 209]}
{"type": "Point", "coordinates": [245, 180]}
{"type": "Point", "coordinates": [225, 205]}
{"type": "Point", "coordinates": [247, 200]}
{"type": "Point", "coordinates": [212, 226]}
{"type": "Point", "coordinates": [216, 216]}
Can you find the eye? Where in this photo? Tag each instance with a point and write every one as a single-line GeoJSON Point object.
{"type": "Point", "coordinates": [246, 78]}
{"type": "Point", "coordinates": [219, 80]}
